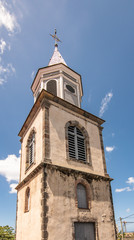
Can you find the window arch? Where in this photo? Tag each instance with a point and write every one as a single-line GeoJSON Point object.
{"type": "Point", "coordinates": [81, 196]}
{"type": "Point", "coordinates": [76, 143]}
{"type": "Point", "coordinates": [27, 199]}
{"type": "Point", "coordinates": [52, 87]}
{"type": "Point", "coordinates": [30, 158]}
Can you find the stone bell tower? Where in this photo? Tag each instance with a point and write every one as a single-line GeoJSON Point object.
{"type": "Point", "coordinates": [64, 190]}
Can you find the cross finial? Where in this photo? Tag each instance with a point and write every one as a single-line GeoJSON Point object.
{"type": "Point", "coordinates": [55, 38]}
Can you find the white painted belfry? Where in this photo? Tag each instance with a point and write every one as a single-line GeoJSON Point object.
{"type": "Point", "coordinates": [68, 82]}
{"type": "Point", "coordinates": [56, 57]}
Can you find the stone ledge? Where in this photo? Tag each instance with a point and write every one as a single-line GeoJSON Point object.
{"type": "Point", "coordinates": [64, 170]}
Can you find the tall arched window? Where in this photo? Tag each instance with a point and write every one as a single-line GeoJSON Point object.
{"type": "Point", "coordinates": [82, 196]}
{"type": "Point", "coordinates": [52, 87]}
{"type": "Point", "coordinates": [30, 149]}
{"type": "Point", "coordinates": [27, 199]}
{"type": "Point", "coordinates": [76, 143]}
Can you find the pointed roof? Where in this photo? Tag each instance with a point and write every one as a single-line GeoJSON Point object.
{"type": "Point", "coordinates": [56, 57]}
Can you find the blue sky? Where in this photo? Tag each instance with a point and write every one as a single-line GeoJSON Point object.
{"type": "Point", "coordinates": [97, 42]}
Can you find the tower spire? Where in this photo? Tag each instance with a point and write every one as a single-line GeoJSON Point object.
{"type": "Point", "coordinates": [56, 57]}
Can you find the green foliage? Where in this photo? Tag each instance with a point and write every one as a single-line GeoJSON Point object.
{"type": "Point", "coordinates": [7, 233]}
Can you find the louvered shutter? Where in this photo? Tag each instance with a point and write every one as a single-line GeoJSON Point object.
{"type": "Point", "coordinates": [31, 150]}
{"type": "Point", "coordinates": [80, 145]}
{"type": "Point", "coordinates": [76, 142]}
{"type": "Point", "coordinates": [81, 196]}
{"type": "Point", "coordinates": [71, 142]}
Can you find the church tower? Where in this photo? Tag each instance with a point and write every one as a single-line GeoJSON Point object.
{"type": "Point", "coordinates": [64, 191]}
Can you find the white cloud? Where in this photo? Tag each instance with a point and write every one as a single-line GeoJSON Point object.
{"type": "Point", "coordinates": [128, 210]}
{"type": "Point", "coordinates": [128, 189]}
{"type": "Point", "coordinates": [7, 19]}
{"type": "Point", "coordinates": [110, 149]}
{"type": "Point", "coordinates": [104, 103]}
{"type": "Point", "coordinates": [13, 186]}
{"type": "Point", "coordinates": [130, 180]}
{"type": "Point", "coordinates": [120, 189]}
{"type": "Point", "coordinates": [5, 72]}
{"type": "Point", "coordinates": [2, 46]}
{"type": "Point", "coordinates": [10, 167]}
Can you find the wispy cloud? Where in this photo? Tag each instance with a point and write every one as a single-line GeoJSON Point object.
{"type": "Point", "coordinates": [9, 168]}
{"type": "Point", "coordinates": [5, 72]}
{"type": "Point", "coordinates": [128, 189]}
{"type": "Point", "coordinates": [104, 103]}
{"type": "Point", "coordinates": [7, 19]}
{"type": "Point", "coordinates": [130, 181]}
{"type": "Point", "coordinates": [2, 46]}
{"type": "Point", "coordinates": [110, 149]}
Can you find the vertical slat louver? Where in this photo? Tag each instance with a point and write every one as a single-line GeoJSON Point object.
{"type": "Point", "coordinates": [76, 142]}
{"type": "Point", "coordinates": [31, 150]}
{"type": "Point", "coordinates": [71, 141]}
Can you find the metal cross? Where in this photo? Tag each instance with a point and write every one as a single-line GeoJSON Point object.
{"type": "Point", "coordinates": [55, 38]}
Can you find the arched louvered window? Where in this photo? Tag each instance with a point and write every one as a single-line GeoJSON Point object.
{"type": "Point", "coordinates": [76, 143]}
{"type": "Point", "coordinates": [81, 196]}
{"type": "Point", "coordinates": [52, 87]}
{"type": "Point", "coordinates": [30, 157]}
{"type": "Point", "coordinates": [27, 199]}
{"type": "Point", "coordinates": [31, 148]}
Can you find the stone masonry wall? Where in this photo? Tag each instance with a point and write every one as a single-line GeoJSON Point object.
{"type": "Point", "coordinates": [29, 222]}
{"type": "Point", "coordinates": [63, 210]}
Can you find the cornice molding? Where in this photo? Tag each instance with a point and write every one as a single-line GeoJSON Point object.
{"type": "Point", "coordinates": [67, 171]}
